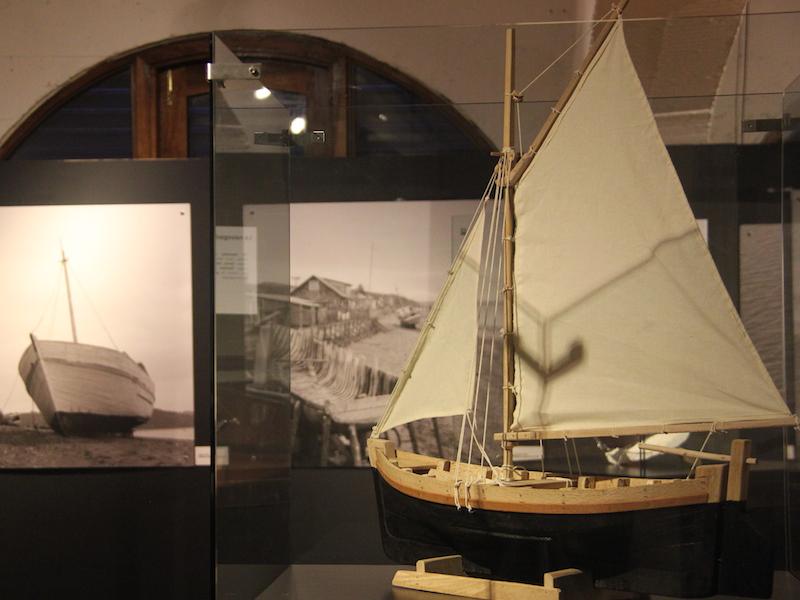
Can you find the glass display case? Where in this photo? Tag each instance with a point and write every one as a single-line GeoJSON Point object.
{"type": "Point", "coordinates": [238, 268]}
{"type": "Point", "coordinates": [345, 182]}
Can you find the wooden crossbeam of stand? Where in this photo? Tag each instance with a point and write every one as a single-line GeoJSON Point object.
{"type": "Point", "coordinates": [445, 575]}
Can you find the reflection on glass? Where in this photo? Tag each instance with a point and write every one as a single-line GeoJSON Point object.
{"type": "Point", "coordinates": [298, 125]}
{"type": "Point", "coordinates": [199, 126]}
{"type": "Point", "coordinates": [391, 119]}
{"type": "Point", "coordinates": [262, 93]}
{"type": "Point", "coordinates": [94, 124]}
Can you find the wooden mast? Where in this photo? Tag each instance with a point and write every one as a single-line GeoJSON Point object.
{"type": "Point", "coordinates": [509, 155]}
{"type": "Point", "coordinates": [526, 158]}
{"type": "Point", "coordinates": [507, 438]}
{"type": "Point", "coordinates": [69, 296]}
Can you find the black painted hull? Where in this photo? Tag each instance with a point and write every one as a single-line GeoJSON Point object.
{"type": "Point", "coordinates": [678, 551]}
{"type": "Point", "coordinates": [86, 424]}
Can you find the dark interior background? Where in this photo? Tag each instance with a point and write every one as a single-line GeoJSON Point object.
{"type": "Point", "coordinates": [148, 533]}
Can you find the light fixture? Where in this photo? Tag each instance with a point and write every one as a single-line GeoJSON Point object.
{"type": "Point", "coordinates": [262, 93]}
{"type": "Point", "coordinates": [298, 125]}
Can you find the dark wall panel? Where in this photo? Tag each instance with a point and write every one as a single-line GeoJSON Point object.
{"type": "Point", "coordinates": [110, 534]}
{"type": "Point", "coordinates": [116, 533]}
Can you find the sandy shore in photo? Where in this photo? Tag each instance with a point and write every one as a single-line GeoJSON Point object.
{"type": "Point", "coordinates": [22, 447]}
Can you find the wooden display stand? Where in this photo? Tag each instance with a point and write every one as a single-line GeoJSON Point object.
{"type": "Point", "coordinates": [445, 575]}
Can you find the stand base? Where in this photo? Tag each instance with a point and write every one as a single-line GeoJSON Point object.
{"type": "Point", "coordinates": [445, 575]}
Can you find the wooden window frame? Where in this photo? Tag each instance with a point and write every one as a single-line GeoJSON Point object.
{"type": "Point", "coordinates": [145, 64]}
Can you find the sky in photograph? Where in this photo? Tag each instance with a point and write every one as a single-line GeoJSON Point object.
{"type": "Point", "coordinates": [130, 270]}
{"type": "Point", "coordinates": [403, 247]}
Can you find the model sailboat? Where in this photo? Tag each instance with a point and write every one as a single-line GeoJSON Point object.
{"type": "Point", "coordinates": [82, 389]}
{"type": "Point", "coordinates": [616, 322]}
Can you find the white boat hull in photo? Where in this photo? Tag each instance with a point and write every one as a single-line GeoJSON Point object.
{"type": "Point", "coordinates": [82, 389]}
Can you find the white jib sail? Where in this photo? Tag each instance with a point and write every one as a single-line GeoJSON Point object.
{"type": "Point", "coordinates": [622, 318]}
{"type": "Point", "coordinates": [438, 380]}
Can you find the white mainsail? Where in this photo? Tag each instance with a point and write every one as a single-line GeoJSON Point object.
{"type": "Point", "coordinates": [438, 380]}
{"type": "Point", "coordinates": [622, 320]}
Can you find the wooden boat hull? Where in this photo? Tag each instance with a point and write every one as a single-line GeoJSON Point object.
{"type": "Point", "coordinates": [86, 390]}
{"type": "Point", "coordinates": [667, 551]}
{"type": "Point", "coordinates": [686, 551]}
{"type": "Point", "coordinates": [671, 537]}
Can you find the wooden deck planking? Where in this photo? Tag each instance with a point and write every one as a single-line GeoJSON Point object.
{"type": "Point", "coordinates": [547, 501]}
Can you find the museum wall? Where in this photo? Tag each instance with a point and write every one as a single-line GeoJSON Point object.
{"type": "Point", "coordinates": [44, 44]}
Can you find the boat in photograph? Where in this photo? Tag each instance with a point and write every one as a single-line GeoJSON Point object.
{"type": "Point", "coordinates": [615, 322]}
{"type": "Point", "coordinates": [86, 390]}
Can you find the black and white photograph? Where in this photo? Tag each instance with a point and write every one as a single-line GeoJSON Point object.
{"type": "Point", "coordinates": [363, 276]}
{"type": "Point", "coordinates": [96, 363]}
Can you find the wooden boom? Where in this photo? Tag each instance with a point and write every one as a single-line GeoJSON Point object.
{"type": "Point", "coordinates": [692, 453]}
{"type": "Point", "coordinates": [611, 431]}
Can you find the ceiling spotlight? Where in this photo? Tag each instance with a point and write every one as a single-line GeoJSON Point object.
{"type": "Point", "coordinates": [262, 93]}
{"type": "Point", "coordinates": [298, 125]}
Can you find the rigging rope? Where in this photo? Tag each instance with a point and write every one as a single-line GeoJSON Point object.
{"type": "Point", "coordinates": [491, 348]}
{"type": "Point", "coordinates": [569, 461]}
{"type": "Point", "coordinates": [405, 374]}
{"type": "Point", "coordinates": [499, 175]}
{"type": "Point", "coordinates": [486, 194]}
{"type": "Point", "coordinates": [565, 52]}
{"type": "Point", "coordinates": [577, 458]}
{"type": "Point", "coordinates": [487, 264]}
{"type": "Point", "coordinates": [54, 311]}
{"type": "Point", "coordinates": [500, 200]}
{"type": "Point", "coordinates": [11, 393]}
{"type": "Point", "coordinates": [51, 300]}
{"type": "Point", "coordinates": [697, 458]}
{"type": "Point", "coordinates": [96, 312]}
{"type": "Point", "coordinates": [490, 293]}
{"type": "Point", "coordinates": [541, 450]}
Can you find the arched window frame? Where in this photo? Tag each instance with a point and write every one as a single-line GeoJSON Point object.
{"type": "Point", "coordinates": [147, 62]}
